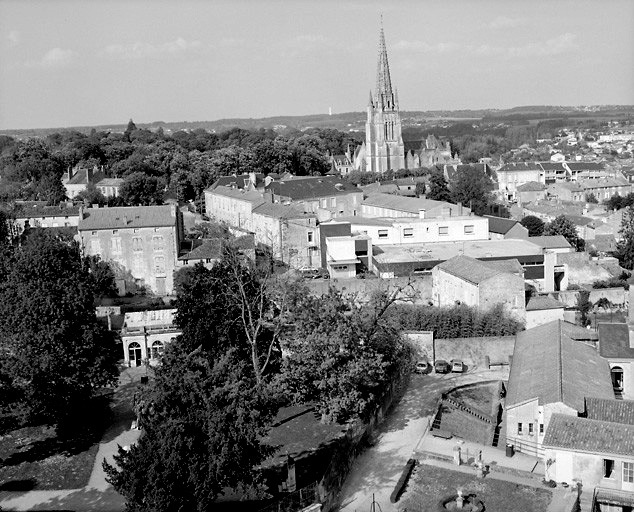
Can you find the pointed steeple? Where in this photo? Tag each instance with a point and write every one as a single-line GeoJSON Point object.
{"type": "Point", "coordinates": [371, 102]}
{"type": "Point", "coordinates": [383, 80]}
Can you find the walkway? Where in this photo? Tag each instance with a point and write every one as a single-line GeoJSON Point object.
{"type": "Point", "coordinates": [377, 470]}
{"type": "Point", "coordinates": [98, 495]}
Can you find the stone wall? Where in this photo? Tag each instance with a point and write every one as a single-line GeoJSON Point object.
{"type": "Point", "coordinates": [420, 287]}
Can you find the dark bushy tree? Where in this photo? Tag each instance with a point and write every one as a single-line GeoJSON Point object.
{"type": "Point", "coordinates": [625, 246]}
{"type": "Point", "coordinates": [564, 227]}
{"type": "Point", "coordinates": [535, 225]}
{"type": "Point", "coordinates": [438, 189]}
{"type": "Point", "coordinates": [472, 188]}
{"type": "Point", "coordinates": [141, 189]}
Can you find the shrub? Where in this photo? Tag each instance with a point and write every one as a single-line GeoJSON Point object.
{"type": "Point", "coordinates": [402, 481]}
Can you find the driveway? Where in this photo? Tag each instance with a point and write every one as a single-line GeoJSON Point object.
{"type": "Point", "coordinates": [376, 471]}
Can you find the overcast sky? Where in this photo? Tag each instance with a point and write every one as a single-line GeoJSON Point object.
{"type": "Point", "coordinates": [69, 63]}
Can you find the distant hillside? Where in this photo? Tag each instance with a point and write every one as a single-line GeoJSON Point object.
{"type": "Point", "coordinates": [355, 121]}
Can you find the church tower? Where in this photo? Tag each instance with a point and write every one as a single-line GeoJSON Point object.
{"type": "Point", "coordinates": [383, 140]}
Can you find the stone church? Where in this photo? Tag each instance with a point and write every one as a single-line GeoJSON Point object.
{"type": "Point", "coordinates": [383, 149]}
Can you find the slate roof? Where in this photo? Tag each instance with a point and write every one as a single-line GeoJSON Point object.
{"type": "Point", "coordinates": [31, 212]}
{"type": "Point", "coordinates": [110, 182]}
{"type": "Point", "coordinates": [585, 166]}
{"type": "Point", "coordinates": [585, 435]}
{"type": "Point", "coordinates": [240, 181]}
{"type": "Point", "coordinates": [312, 187]}
{"type": "Point", "coordinates": [81, 177]}
{"type": "Point", "coordinates": [550, 242]}
{"type": "Point", "coordinates": [551, 366]}
{"type": "Point", "coordinates": [281, 211]}
{"type": "Point", "coordinates": [531, 186]}
{"type": "Point", "coordinates": [135, 217]}
{"type": "Point", "coordinates": [614, 341]}
{"type": "Point", "coordinates": [209, 249]}
{"type": "Point", "coordinates": [573, 186]}
{"type": "Point", "coordinates": [542, 302]}
{"type": "Point", "coordinates": [408, 204]}
{"type": "Point", "coordinates": [552, 166]}
{"type": "Point", "coordinates": [252, 196]}
{"type": "Point", "coordinates": [512, 266]}
{"type": "Point", "coordinates": [386, 187]}
{"type": "Point", "coordinates": [615, 411]}
{"type": "Point", "coordinates": [592, 183]}
{"type": "Point", "coordinates": [521, 166]}
{"type": "Point", "coordinates": [499, 224]}
{"type": "Point", "coordinates": [470, 269]}
{"type": "Point", "coordinates": [604, 243]}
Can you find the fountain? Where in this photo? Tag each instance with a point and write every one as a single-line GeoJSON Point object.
{"type": "Point", "coordinates": [459, 501]}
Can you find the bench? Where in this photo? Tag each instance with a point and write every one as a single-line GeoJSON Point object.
{"type": "Point", "coordinates": [441, 433]}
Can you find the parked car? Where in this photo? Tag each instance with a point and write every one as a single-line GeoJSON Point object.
{"type": "Point", "coordinates": [422, 367]}
{"type": "Point", "coordinates": [441, 366]}
{"type": "Point", "coordinates": [457, 366]}
{"type": "Point", "coordinates": [314, 273]}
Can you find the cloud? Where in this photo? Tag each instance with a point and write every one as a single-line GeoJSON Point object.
{"type": "Point", "coordinates": [139, 50]}
{"type": "Point", "coordinates": [14, 37]}
{"type": "Point", "coordinates": [54, 58]}
{"type": "Point", "coordinates": [505, 22]}
{"type": "Point", "coordinates": [563, 43]}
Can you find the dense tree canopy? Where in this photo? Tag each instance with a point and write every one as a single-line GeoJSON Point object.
{"type": "Point", "coordinates": [562, 226]}
{"type": "Point", "coordinates": [472, 188]}
{"type": "Point", "coordinates": [535, 225]}
{"type": "Point", "coordinates": [438, 189]}
{"type": "Point", "coordinates": [55, 353]}
{"type": "Point", "coordinates": [625, 246]}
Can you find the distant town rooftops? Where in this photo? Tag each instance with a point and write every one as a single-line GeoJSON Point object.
{"type": "Point", "coordinates": [308, 187]}
{"type": "Point", "coordinates": [551, 241]}
{"type": "Point", "coordinates": [127, 217]}
{"type": "Point", "coordinates": [240, 181]}
{"type": "Point", "coordinates": [551, 365]}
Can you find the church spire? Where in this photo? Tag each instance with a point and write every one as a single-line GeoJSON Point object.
{"type": "Point", "coordinates": [383, 80]}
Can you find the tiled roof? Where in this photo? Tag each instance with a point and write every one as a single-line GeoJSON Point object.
{"type": "Point", "coordinates": [409, 204]}
{"type": "Point", "coordinates": [585, 166]}
{"type": "Point", "coordinates": [523, 166]}
{"type": "Point", "coordinates": [312, 187]}
{"type": "Point", "coordinates": [542, 302]}
{"type": "Point", "coordinates": [531, 186]}
{"type": "Point", "coordinates": [603, 243]}
{"type": "Point", "coordinates": [209, 249]}
{"type": "Point", "coordinates": [240, 181]}
{"type": "Point", "coordinates": [582, 434]}
{"type": "Point", "coordinates": [127, 217]}
{"type": "Point", "coordinates": [552, 166]}
{"type": "Point", "coordinates": [470, 269]}
{"type": "Point", "coordinates": [551, 366]}
{"type": "Point", "coordinates": [280, 211]}
{"type": "Point", "coordinates": [252, 196]}
{"type": "Point", "coordinates": [109, 182]}
{"type": "Point", "coordinates": [593, 183]}
{"type": "Point", "coordinates": [550, 242]}
{"type": "Point", "coordinates": [31, 212]}
{"type": "Point", "coordinates": [512, 266]}
{"type": "Point", "coordinates": [614, 341]}
{"type": "Point", "coordinates": [615, 411]}
{"type": "Point", "coordinates": [499, 224]}
{"type": "Point", "coordinates": [384, 187]}
{"type": "Point", "coordinates": [573, 186]}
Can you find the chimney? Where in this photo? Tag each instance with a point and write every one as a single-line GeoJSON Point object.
{"type": "Point", "coordinates": [125, 220]}
{"type": "Point", "coordinates": [421, 214]}
{"type": "Point", "coordinates": [459, 208]}
{"type": "Point", "coordinates": [89, 173]}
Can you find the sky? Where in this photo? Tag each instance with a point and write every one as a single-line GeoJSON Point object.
{"type": "Point", "coordinates": [87, 62]}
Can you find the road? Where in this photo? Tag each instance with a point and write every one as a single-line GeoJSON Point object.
{"type": "Point", "coordinates": [377, 470]}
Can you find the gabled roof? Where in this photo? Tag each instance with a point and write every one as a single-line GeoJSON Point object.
{"type": "Point", "coordinates": [312, 187]}
{"type": "Point", "coordinates": [615, 411]}
{"type": "Point", "coordinates": [251, 196]}
{"type": "Point", "coordinates": [240, 181]}
{"type": "Point", "coordinates": [409, 204]}
{"type": "Point", "coordinates": [585, 435]}
{"type": "Point", "coordinates": [81, 177]}
{"type": "Point", "coordinates": [543, 302]}
{"type": "Point", "coordinates": [281, 211]}
{"type": "Point", "coordinates": [499, 224]}
{"type": "Point", "coordinates": [573, 186]}
{"type": "Point", "coordinates": [531, 186]}
{"type": "Point", "coordinates": [31, 212]}
{"type": "Point", "coordinates": [127, 217]}
{"type": "Point", "coordinates": [522, 166]}
{"type": "Point", "coordinates": [469, 269]}
{"type": "Point", "coordinates": [585, 166]}
{"type": "Point", "coordinates": [110, 182]}
{"type": "Point", "coordinates": [551, 366]}
{"type": "Point", "coordinates": [614, 341]}
{"type": "Point", "coordinates": [209, 249]}
{"type": "Point", "coordinates": [551, 242]}
{"type": "Point", "coordinates": [552, 166]}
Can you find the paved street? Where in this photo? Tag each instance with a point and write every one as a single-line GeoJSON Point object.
{"type": "Point", "coordinates": [379, 467]}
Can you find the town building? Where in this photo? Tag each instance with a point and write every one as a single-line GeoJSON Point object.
{"type": "Point", "coordinates": [145, 334]}
{"type": "Point", "coordinates": [140, 243]}
{"type": "Point", "coordinates": [384, 148]}
{"type": "Point", "coordinates": [555, 367]}
{"type": "Point", "coordinates": [500, 228]}
{"type": "Point", "coordinates": [530, 192]}
{"type": "Point", "coordinates": [41, 216]}
{"type": "Point", "coordinates": [388, 205]}
{"type": "Point", "coordinates": [109, 187]}
{"type": "Point", "coordinates": [541, 309]}
{"type": "Point", "coordinates": [567, 191]}
{"type": "Point", "coordinates": [616, 345]}
{"type": "Point", "coordinates": [605, 188]}
{"type": "Point", "coordinates": [511, 176]}
{"type": "Point", "coordinates": [344, 253]}
{"type": "Point", "coordinates": [480, 284]}
{"type": "Point", "coordinates": [596, 450]}
{"type": "Point", "coordinates": [77, 179]}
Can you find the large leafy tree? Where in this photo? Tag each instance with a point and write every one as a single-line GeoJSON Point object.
{"type": "Point", "coordinates": [438, 187]}
{"type": "Point", "coordinates": [564, 227]}
{"type": "Point", "coordinates": [141, 189]}
{"type": "Point", "coordinates": [535, 225]}
{"type": "Point", "coordinates": [472, 188]}
{"type": "Point", "coordinates": [209, 405]}
{"type": "Point", "coordinates": [625, 246]}
{"type": "Point", "coordinates": [55, 353]}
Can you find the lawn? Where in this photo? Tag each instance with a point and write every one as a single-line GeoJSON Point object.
{"type": "Point", "coordinates": [431, 484]}
{"type": "Point", "coordinates": [35, 458]}
{"type": "Point", "coordinates": [478, 397]}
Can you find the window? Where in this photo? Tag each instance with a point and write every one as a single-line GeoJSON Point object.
{"type": "Point", "coordinates": [115, 245]}
{"type": "Point", "coordinates": [159, 265]}
{"type": "Point", "coordinates": [95, 247]}
{"type": "Point", "coordinates": [137, 244]}
{"type": "Point", "coordinates": [530, 429]}
{"type": "Point", "coordinates": [115, 231]}
{"type": "Point", "coordinates": [408, 232]}
{"type": "Point", "coordinates": [628, 472]}
{"type": "Point", "coordinates": [93, 233]}
{"type": "Point", "coordinates": [158, 242]}
{"type": "Point", "coordinates": [322, 203]}
{"type": "Point", "coordinates": [519, 429]}
{"type": "Point", "coordinates": [443, 230]}
{"type": "Point", "coordinates": [468, 230]}
{"type": "Point", "coordinates": [541, 429]}
{"type": "Point", "coordinates": [332, 202]}
{"type": "Point", "coordinates": [157, 349]}
{"type": "Point", "coordinates": [136, 230]}
{"type": "Point", "coordinates": [608, 468]}
{"type": "Point", "coordinates": [382, 233]}
{"type": "Point", "coordinates": [310, 237]}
